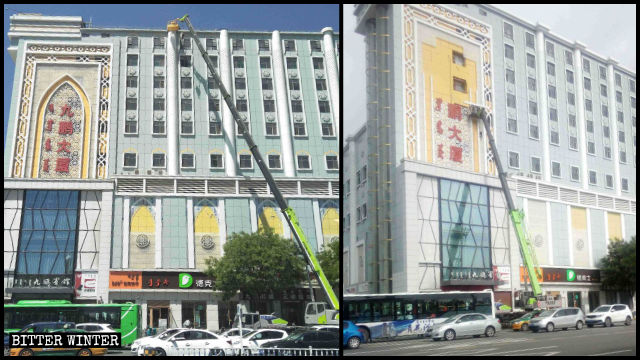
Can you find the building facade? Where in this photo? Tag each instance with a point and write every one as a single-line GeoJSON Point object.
{"type": "Point", "coordinates": [423, 207]}
{"type": "Point", "coordinates": [124, 168]}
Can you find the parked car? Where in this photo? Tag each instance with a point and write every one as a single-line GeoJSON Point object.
{"type": "Point", "coordinates": [257, 338]}
{"type": "Point", "coordinates": [563, 318]}
{"type": "Point", "coordinates": [522, 323]}
{"type": "Point", "coordinates": [607, 315]}
{"type": "Point", "coordinates": [177, 342]}
{"type": "Point", "coordinates": [234, 333]}
{"type": "Point", "coordinates": [95, 327]}
{"type": "Point", "coordinates": [305, 339]}
{"type": "Point", "coordinates": [334, 328]}
{"type": "Point", "coordinates": [352, 335]}
{"type": "Point", "coordinates": [59, 351]}
{"type": "Point", "coordinates": [469, 324]}
{"type": "Point", "coordinates": [138, 345]}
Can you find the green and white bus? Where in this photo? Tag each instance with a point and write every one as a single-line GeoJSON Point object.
{"type": "Point", "coordinates": [124, 318]}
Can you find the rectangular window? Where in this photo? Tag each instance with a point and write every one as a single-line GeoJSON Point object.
{"type": "Point", "coordinates": [332, 162]}
{"type": "Point", "coordinates": [573, 143]}
{"type": "Point", "coordinates": [607, 152]}
{"type": "Point", "coordinates": [185, 61]}
{"type": "Point", "coordinates": [590, 126]}
{"type": "Point", "coordinates": [530, 40]}
{"type": "Point", "coordinates": [555, 169]}
{"type": "Point", "coordinates": [533, 132]}
{"type": "Point", "coordinates": [571, 98]}
{"type": "Point", "coordinates": [289, 45]}
{"type": "Point", "coordinates": [514, 160]}
{"type": "Point", "coordinates": [158, 104]}
{"type": "Point", "coordinates": [572, 120]}
{"type": "Point", "coordinates": [212, 84]}
{"type": "Point", "coordinates": [508, 31]}
{"type": "Point", "coordinates": [186, 105]}
{"type": "Point", "coordinates": [132, 104]}
{"type": "Point", "coordinates": [294, 84]}
{"type": "Point", "coordinates": [241, 105]}
{"type": "Point", "coordinates": [238, 62]}
{"type": "Point", "coordinates": [246, 161]}
{"type": "Point", "coordinates": [551, 69]}
{"type": "Point", "coordinates": [605, 111]}
{"type": "Point", "coordinates": [621, 136]}
{"type": "Point", "coordinates": [603, 90]}
{"type": "Point", "coordinates": [458, 58]}
{"type": "Point", "coordinates": [130, 160]}
{"type": "Point", "coordinates": [185, 44]}
{"type": "Point", "coordinates": [318, 63]}
{"type": "Point", "coordinates": [633, 102]}
{"type": "Point", "coordinates": [587, 84]}
{"type": "Point", "coordinates": [327, 129]}
{"type": "Point", "coordinates": [158, 160]}
{"type": "Point", "coordinates": [303, 162]}
{"type": "Point", "coordinates": [552, 91]}
{"type": "Point", "coordinates": [212, 44]}
{"type": "Point", "coordinates": [296, 106]}
{"type": "Point", "coordinates": [554, 137]}
{"type": "Point", "coordinates": [263, 45]}
{"type": "Point", "coordinates": [292, 63]}
{"type": "Point", "coordinates": [603, 73]}
{"type": "Point", "coordinates": [618, 80]}
{"type": "Point", "coordinates": [274, 162]}
{"type": "Point", "coordinates": [533, 108]}
{"type": "Point", "coordinates": [214, 104]}
{"type": "Point", "coordinates": [512, 125]}
{"type": "Point", "coordinates": [605, 131]}
{"type": "Point", "coordinates": [215, 128]}
{"type": "Point", "coordinates": [511, 101]}
{"type": "Point", "coordinates": [185, 82]}
{"type": "Point", "coordinates": [511, 76]}
{"type": "Point", "coordinates": [158, 126]}
{"type": "Point", "coordinates": [459, 85]}
{"type": "Point", "coordinates": [620, 117]}
{"type": "Point", "coordinates": [269, 105]}
{"type": "Point", "coordinates": [632, 85]}
{"type": "Point", "coordinates": [132, 81]}
{"type": "Point", "coordinates": [575, 173]}
{"type": "Point", "coordinates": [214, 62]}
{"type": "Point", "coordinates": [240, 83]}
{"type": "Point", "coordinates": [187, 161]}
{"type": "Point", "coordinates": [158, 60]}
{"type": "Point", "coordinates": [623, 157]}
{"type": "Point", "coordinates": [271, 128]}
{"type": "Point", "coordinates": [299, 129]}
{"type": "Point", "coordinates": [570, 76]}
{"type": "Point", "coordinates": [132, 42]}
{"type": "Point", "coordinates": [619, 96]}
{"type": "Point", "coordinates": [568, 56]}
{"type": "Point", "coordinates": [158, 43]}
{"type": "Point", "coordinates": [586, 65]}
{"type": "Point", "coordinates": [535, 164]}
{"type": "Point", "coordinates": [265, 63]}
{"type": "Point", "coordinates": [321, 84]}
{"type": "Point", "coordinates": [550, 49]}
{"type": "Point", "coordinates": [316, 46]}
{"type": "Point", "coordinates": [186, 127]}
{"type": "Point", "coordinates": [215, 161]}
{"type": "Point", "coordinates": [267, 84]}
{"type": "Point", "coordinates": [531, 84]}
{"type": "Point", "coordinates": [531, 61]}
{"type": "Point", "coordinates": [132, 60]}
{"type": "Point", "coordinates": [609, 181]}
{"type": "Point", "coordinates": [237, 44]}
{"type": "Point", "coordinates": [593, 177]}
{"type": "Point", "coordinates": [324, 106]}
{"type": "Point", "coordinates": [553, 114]}
{"type": "Point", "coordinates": [591, 147]}
{"type": "Point", "coordinates": [508, 51]}
{"type": "Point", "coordinates": [625, 184]}
{"type": "Point", "coordinates": [587, 104]}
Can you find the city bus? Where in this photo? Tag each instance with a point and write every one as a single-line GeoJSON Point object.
{"type": "Point", "coordinates": [124, 318]}
{"type": "Point", "coordinates": [393, 315]}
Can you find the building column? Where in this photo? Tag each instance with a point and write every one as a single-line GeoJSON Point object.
{"type": "Point", "coordinates": [282, 105]}
{"type": "Point", "coordinates": [613, 117]}
{"type": "Point", "coordinates": [145, 315]}
{"type": "Point", "coordinates": [332, 75]}
{"type": "Point", "coordinates": [104, 260]}
{"type": "Point", "coordinates": [228, 123]}
{"type": "Point", "coordinates": [191, 262]}
{"type": "Point", "coordinates": [213, 322]}
{"type": "Point", "coordinates": [579, 80]}
{"type": "Point", "coordinates": [172, 96]}
{"type": "Point", "coordinates": [158, 236]}
{"type": "Point", "coordinates": [126, 211]}
{"type": "Point", "coordinates": [175, 316]}
{"type": "Point", "coordinates": [543, 108]}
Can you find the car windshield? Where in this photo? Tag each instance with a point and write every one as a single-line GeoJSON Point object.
{"type": "Point", "coordinates": [450, 320]}
{"type": "Point", "coordinates": [603, 308]}
{"type": "Point", "coordinates": [546, 313]}
{"type": "Point", "coordinates": [295, 336]}
{"type": "Point", "coordinates": [247, 335]}
{"type": "Point", "coordinates": [167, 333]}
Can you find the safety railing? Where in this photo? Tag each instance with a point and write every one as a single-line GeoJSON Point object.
{"type": "Point", "coordinates": [242, 352]}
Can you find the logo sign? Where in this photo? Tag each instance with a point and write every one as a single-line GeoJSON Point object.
{"type": "Point", "coordinates": [571, 275]}
{"type": "Point", "coordinates": [86, 284]}
{"type": "Point", "coordinates": [185, 280]}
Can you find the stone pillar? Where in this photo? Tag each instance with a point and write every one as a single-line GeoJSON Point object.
{"type": "Point", "coordinates": [580, 118]}
{"type": "Point", "coordinates": [104, 249]}
{"type": "Point", "coordinates": [543, 109]}
{"type": "Point", "coordinates": [145, 315]}
{"type": "Point", "coordinates": [173, 117]}
{"type": "Point", "coordinates": [228, 124]}
{"type": "Point", "coordinates": [613, 117]}
{"type": "Point", "coordinates": [212, 315]}
{"type": "Point", "coordinates": [332, 75]}
{"type": "Point", "coordinates": [282, 103]}
{"type": "Point", "coordinates": [175, 316]}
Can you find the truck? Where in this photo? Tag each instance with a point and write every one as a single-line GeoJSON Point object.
{"type": "Point", "coordinates": [315, 312]}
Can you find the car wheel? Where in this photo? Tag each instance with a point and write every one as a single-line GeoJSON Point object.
{"type": "Point", "coordinates": [607, 322]}
{"type": "Point", "coordinates": [449, 335]}
{"type": "Point", "coordinates": [490, 331]}
{"type": "Point", "coordinates": [579, 325]}
{"type": "Point", "coordinates": [354, 342]}
{"type": "Point", "coordinates": [84, 352]}
{"type": "Point", "coordinates": [627, 321]}
{"type": "Point", "coordinates": [161, 352]}
{"type": "Point", "coordinates": [525, 327]}
{"type": "Point", "coordinates": [550, 327]}
{"type": "Point", "coordinates": [26, 352]}
{"type": "Point", "coordinates": [217, 352]}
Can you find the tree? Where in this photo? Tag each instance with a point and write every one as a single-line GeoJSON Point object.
{"type": "Point", "coordinates": [330, 262]}
{"type": "Point", "coordinates": [256, 264]}
{"type": "Point", "coordinates": [618, 268]}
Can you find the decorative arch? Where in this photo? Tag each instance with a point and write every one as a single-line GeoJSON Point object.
{"type": "Point", "coordinates": [142, 235]}
{"type": "Point", "coordinates": [85, 119]}
{"type": "Point", "coordinates": [269, 218]}
{"type": "Point", "coordinates": [206, 230]}
{"type": "Point", "coordinates": [330, 220]}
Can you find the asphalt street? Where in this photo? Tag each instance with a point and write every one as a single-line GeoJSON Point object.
{"type": "Point", "coordinates": [597, 341]}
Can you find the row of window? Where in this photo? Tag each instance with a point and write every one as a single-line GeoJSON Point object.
{"type": "Point", "coordinates": [187, 161]}
{"type": "Point", "coordinates": [211, 44]}
{"type": "Point", "coordinates": [556, 171]}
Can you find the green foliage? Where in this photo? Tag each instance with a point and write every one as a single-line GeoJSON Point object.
{"type": "Point", "coordinates": [618, 268]}
{"type": "Point", "coordinates": [329, 259]}
{"type": "Point", "coordinates": [255, 264]}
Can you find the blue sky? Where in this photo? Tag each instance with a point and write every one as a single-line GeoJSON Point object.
{"type": "Point", "coordinates": [203, 17]}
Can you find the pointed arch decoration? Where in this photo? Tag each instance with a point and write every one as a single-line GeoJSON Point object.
{"type": "Point", "coordinates": [206, 228]}
{"type": "Point", "coordinates": [142, 234]}
{"type": "Point", "coordinates": [330, 220]}
{"type": "Point", "coordinates": [269, 217]}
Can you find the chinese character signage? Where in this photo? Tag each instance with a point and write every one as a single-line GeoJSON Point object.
{"type": "Point", "coordinates": [86, 284]}
{"type": "Point", "coordinates": [159, 280]}
{"type": "Point", "coordinates": [62, 135]}
{"type": "Point", "coordinates": [43, 281]}
{"type": "Point", "coordinates": [566, 275]}
{"type": "Point", "coordinates": [469, 274]}
{"type": "Point", "coordinates": [453, 135]}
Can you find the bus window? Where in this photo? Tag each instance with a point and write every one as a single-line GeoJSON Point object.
{"type": "Point", "coordinates": [409, 311]}
{"type": "Point", "coordinates": [387, 310]}
{"type": "Point", "coordinates": [398, 310]}
{"type": "Point", "coordinates": [376, 310]}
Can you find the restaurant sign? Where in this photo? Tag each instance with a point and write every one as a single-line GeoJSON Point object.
{"type": "Point", "coordinates": [159, 280]}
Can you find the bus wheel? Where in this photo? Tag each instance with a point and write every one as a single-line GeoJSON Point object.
{"type": "Point", "coordinates": [84, 352]}
{"type": "Point", "coordinates": [26, 352]}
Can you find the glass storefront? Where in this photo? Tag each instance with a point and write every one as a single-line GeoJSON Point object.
{"type": "Point", "coordinates": [464, 231]}
{"type": "Point", "coordinates": [196, 312]}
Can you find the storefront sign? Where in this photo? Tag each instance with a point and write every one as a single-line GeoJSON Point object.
{"type": "Point", "coordinates": [43, 281]}
{"type": "Point", "coordinates": [86, 284]}
{"type": "Point", "coordinates": [125, 280]}
{"type": "Point", "coordinates": [502, 276]}
{"type": "Point", "coordinates": [470, 274]}
{"type": "Point", "coordinates": [158, 280]}
{"type": "Point", "coordinates": [566, 275]}
{"type": "Point", "coordinates": [452, 135]}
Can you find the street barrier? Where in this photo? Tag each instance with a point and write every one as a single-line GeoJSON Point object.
{"type": "Point", "coordinates": [247, 352]}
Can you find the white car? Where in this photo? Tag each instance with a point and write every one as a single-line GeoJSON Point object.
{"type": "Point", "coordinates": [233, 334]}
{"type": "Point", "coordinates": [95, 327]}
{"type": "Point", "coordinates": [607, 315]}
{"type": "Point", "coordinates": [255, 339]}
{"type": "Point", "coordinates": [182, 341]}
{"type": "Point", "coordinates": [138, 345]}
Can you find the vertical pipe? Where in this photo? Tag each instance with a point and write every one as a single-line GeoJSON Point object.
{"type": "Point", "coordinates": [543, 110]}
{"type": "Point", "coordinates": [228, 124]}
{"type": "Point", "coordinates": [282, 103]}
{"type": "Point", "coordinates": [172, 99]}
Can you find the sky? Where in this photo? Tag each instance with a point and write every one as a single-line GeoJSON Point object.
{"type": "Point", "coordinates": [609, 30]}
{"type": "Point", "coordinates": [203, 17]}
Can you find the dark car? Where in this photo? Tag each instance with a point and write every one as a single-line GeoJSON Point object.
{"type": "Point", "coordinates": [305, 339]}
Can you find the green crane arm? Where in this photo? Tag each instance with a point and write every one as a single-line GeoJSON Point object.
{"type": "Point", "coordinates": [517, 216]}
{"type": "Point", "coordinates": [288, 212]}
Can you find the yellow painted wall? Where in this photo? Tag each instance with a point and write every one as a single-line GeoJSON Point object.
{"type": "Point", "coordinates": [578, 218]}
{"type": "Point", "coordinates": [438, 67]}
{"type": "Point", "coordinates": [269, 218]}
{"type": "Point", "coordinates": [579, 237]}
{"type": "Point", "coordinates": [142, 222]}
{"type": "Point", "coordinates": [614, 224]}
{"type": "Point", "coordinates": [206, 224]}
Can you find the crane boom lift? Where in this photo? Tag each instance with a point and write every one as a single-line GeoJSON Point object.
{"type": "Point", "coordinates": [516, 215]}
{"type": "Point", "coordinates": [288, 212]}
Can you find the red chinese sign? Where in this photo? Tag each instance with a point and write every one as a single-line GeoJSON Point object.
{"type": "Point", "coordinates": [452, 135]}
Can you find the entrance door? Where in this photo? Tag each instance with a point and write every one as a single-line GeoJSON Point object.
{"type": "Point", "coordinates": [594, 300]}
{"type": "Point", "coordinates": [574, 299]}
{"type": "Point", "coordinates": [159, 317]}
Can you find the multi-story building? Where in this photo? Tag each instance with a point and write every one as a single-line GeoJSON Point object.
{"type": "Point", "coordinates": [124, 165]}
{"type": "Point", "coordinates": [423, 207]}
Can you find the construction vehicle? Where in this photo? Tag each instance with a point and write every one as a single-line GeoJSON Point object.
{"type": "Point", "coordinates": [316, 312]}
{"type": "Point", "coordinates": [532, 269]}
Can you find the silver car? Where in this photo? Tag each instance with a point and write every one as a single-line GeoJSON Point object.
{"type": "Point", "coordinates": [563, 318]}
{"type": "Point", "coordinates": [469, 324]}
